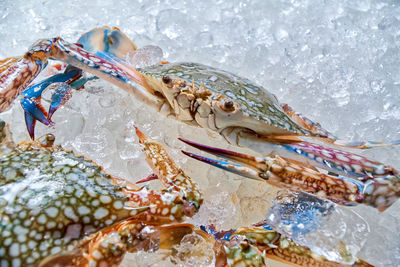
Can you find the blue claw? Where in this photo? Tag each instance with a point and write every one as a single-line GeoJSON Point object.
{"type": "Point", "coordinates": [31, 101]}
{"type": "Point", "coordinates": [109, 40]}
{"type": "Point", "coordinates": [64, 92]}
{"type": "Point", "coordinates": [59, 98]}
{"type": "Point", "coordinates": [35, 110]}
{"type": "Point", "coordinates": [71, 74]}
{"type": "Point", "coordinates": [30, 123]}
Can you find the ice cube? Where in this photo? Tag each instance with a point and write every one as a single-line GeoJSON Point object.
{"type": "Point", "coordinates": [194, 250]}
{"type": "Point", "coordinates": [326, 228]}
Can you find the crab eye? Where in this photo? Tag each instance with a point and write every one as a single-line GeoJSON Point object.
{"type": "Point", "coordinates": [227, 105]}
{"type": "Point", "coordinates": [166, 79]}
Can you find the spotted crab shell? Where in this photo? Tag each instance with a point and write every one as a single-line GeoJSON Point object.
{"type": "Point", "coordinates": [49, 199]}
{"type": "Point", "coordinates": [253, 101]}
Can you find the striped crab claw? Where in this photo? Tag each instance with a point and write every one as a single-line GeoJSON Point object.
{"type": "Point", "coordinates": [61, 209]}
{"type": "Point", "coordinates": [18, 73]}
{"type": "Point", "coordinates": [376, 191]}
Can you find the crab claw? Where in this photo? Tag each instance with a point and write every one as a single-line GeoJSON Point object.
{"type": "Point", "coordinates": [250, 166]}
{"type": "Point", "coordinates": [59, 98]}
{"type": "Point", "coordinates": [32, 95]}
{"type": "Point", "coordinates": [63, 92]}
{"type": "Point", "coordinates": [106, 39]}
{"type": "Point", "coordinates": [35, 109]}
{"type": "Point", "coordinates": [284, 173]}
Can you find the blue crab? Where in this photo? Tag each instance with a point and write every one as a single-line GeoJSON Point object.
{"type": "Point", "coordinates": [57, 207]}
{"type": "Point", "coordinates": [193, 93]}
{"type": "Point", "coordinates": [61, 209]}
{"type": "Point", "coordinates": [244, 113]}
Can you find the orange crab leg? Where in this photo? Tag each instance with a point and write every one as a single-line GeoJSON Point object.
{"type": "Point", "coordinates": [181, 197]}
{"type": "Point", "coordinates": [108, 247]}
{"type": "Point", "coordinates": [306, 123]}
{"type": "Point", "coordinates": [279, 172]}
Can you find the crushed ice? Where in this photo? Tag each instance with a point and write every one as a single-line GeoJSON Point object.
{"type": "Point", "coordinates": [336, 62]}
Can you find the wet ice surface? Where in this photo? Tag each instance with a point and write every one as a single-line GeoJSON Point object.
{"type": "Point", "coordinates": [336, 62]}
{"type": "Point", "coordinates": [334, 232]}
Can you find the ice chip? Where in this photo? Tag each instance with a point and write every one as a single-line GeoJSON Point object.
{"type": "Point", "coordinates": [194, 251]}
{"type": "Point", "coordinates": [145, 56]}
{"type": "Point", "coordinates": [218, 210]}
{"type": "Point", "coordinates": [326, 228]}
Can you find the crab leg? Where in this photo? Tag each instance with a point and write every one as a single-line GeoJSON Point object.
{"type": "Point", "coordinates": [131, 236]}
{"type": "Point", "coordinates": [312, 154]}
{"type": "Point", "coordinates": [181, 196]}
{"type": "Point", "coordinates": [108, 247]}
{"type": "Point", "coordinates": [114, 72]}
{"type": "Point", "coordinates": [317, 129]}
{"type": "Point", "coordinates": [306, 122]}
{"type": "Point", "coordinates": [16, 74]}
{"type": "Point", "coordinates": [279, 172]}
{"type": "Point", "coordinates": [251, 246]}
{"type": "Point", "coordinates": [379, 192]}
{"type": "Point", "coordinates": [338, 161]}
{"type": "Point", "coordinates": [277, 247]}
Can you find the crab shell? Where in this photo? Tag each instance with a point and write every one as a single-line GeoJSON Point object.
{"type": "Point", "coordinates": [52, 199]}
{"type": "Point", "coordinates": [219, 100]}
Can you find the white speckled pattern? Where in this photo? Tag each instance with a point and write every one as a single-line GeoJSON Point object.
{"type": "Point", "coordinates": [50, 198]}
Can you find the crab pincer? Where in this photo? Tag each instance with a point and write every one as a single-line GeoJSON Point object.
{"type": "Point", "coordinates": [379, 192]}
